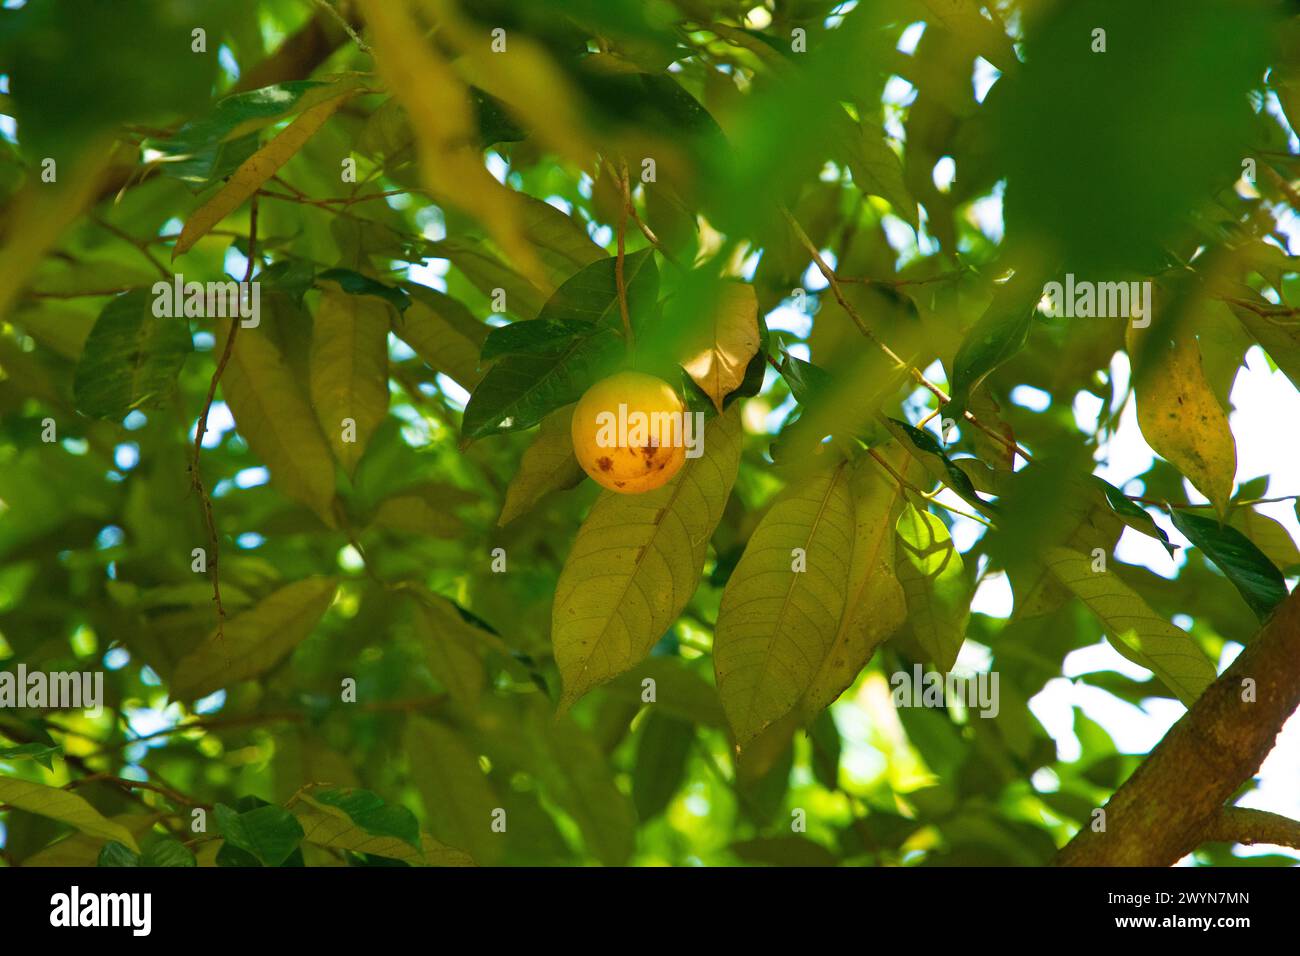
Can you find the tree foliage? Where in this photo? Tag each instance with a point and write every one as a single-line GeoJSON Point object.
{"type": "Point", "coordinates": [319, 525]}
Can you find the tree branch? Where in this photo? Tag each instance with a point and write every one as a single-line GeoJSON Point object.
{"type": "Point", "coordinates": [1176, 798]}
{"type": "Point", "coordinates": [1243, 825]}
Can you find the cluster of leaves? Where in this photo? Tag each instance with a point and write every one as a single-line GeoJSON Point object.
{"type": "Point", "coordinates": [419, 597]}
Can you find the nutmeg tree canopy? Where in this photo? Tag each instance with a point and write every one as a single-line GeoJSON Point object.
{"type": "Point", "coordinates": [975, 320]}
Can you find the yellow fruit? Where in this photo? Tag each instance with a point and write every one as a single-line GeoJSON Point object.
{"type": "Point", "coordinates": [627, 432]}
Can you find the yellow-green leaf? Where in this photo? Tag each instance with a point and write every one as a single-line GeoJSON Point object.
{"type": "Point", "coordinates": [451, 647]}
{"type": "Point", "coordinates": [254, 641]}
{"type": "Point", "coordinates": [329, 826]}
{"type": "Point", "coordinates": [930, 571]}
{"type": "Point", "coordinates": [444, 334]}
{"type": "Point", "coordinates": [1132, 628]}
{"type": "Point", "coordinates": [782, 606]}
{"type": "Point", "coordinates": [547, 465]}
{"type": "Point", "coordinates": [875, 605]}
{"type": "Point", "coordinates": [63, 806]}
{"type": "Point", "coordinates": [414, 514]}
{"type": "Point", "coordinates": [273, 416]}
{"type": "Point", "coordinates": [349, 370]}
{"type": "Point", "coordinates": [1179, 415]}
{"type": "Point", "coordinates": [458, 798]}
{"type": "Point", "coordinates": [1267, 534]}
{"type": "Point", "coordinates": [82, 849]}
{"type": "Point", "coordinates": [725, 343]}
{"type": "Point", "coordinates": [255, 171]}
{"type": "Point", "coordinates": [636, 562]}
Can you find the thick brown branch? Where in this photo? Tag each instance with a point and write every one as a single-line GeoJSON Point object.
{"type": "Point", "coordinates": [1176, 797]}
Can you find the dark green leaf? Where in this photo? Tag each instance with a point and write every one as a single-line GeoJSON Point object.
{"type": "Point", "coordinates": [131, 358]}
{"type": "Point", "coordinates": [1253, 575]}
{"type": "Point", "coordinates": [268, 834]}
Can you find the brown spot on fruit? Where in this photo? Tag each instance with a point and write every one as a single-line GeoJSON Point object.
{"type": "Point", "coordinates": [605, 463]}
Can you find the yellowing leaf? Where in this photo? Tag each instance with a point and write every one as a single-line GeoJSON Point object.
{"type": "Point", "coordinates": [930, 571]}
{"type": "Point", "coordinates": [875, 607]}
{"type": "Point", "coordinates": [255, 171]}
{"type": "Point", "coordinates": [547, 465]}
{"type": "Point", "coordinates": [444, 334]}
{"type": "Point", "coordinates": [727, 341]}
{"type": "Point", "coordinates": [1268, 534]}
{"type": "Point", "coordinates": [1133, 628]}
{"type": "Point", "coordinates": [458, 798]}
{"type": "Point", "coordinates": [253, 642]}
{"type": "Point", "coordinates": [1179, 415]}
{"type": "Point", "coordinates": [63, 806]}
{"type": "Point", "coordinates": [636, 562]}
{"type": "Point", "coordinates": [273, 416]}
{"type": "Point", "coordinates": [349, 370]}
{"type": "Point", "coordinates": [438, 105]}
{"type": "Point", "coordinates": [782, 606]}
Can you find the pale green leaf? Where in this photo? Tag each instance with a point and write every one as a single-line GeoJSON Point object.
{"type": "Point", "coordinates": [63, 806]}
{"type": "Point", "coordinates": [636, 562]}
{"type": "Point", "coordinates": [782, 606]}
{"type": "Point", "coordinates": [349, 371]}
{"type": "Point", "coordinates": [251, 643]}
{"type": "Point", "coordinates": [1133, 628]}
{"type": "Point", "coordinates": [547, 465]}
{"type": "Point", "coordinates": [930, 571]}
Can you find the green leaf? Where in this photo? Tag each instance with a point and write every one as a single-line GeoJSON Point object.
{"type": "Point", "coordinates": [547, 465]}
{"type": "Point", "coordinates": [451, 647]}
{"type": "Point", "coordinates": [944, 469]}
{"type": "Point", "coordinates": [876, 168]}
{"type": "Point", "coordinates": [533, 337]}
{"type": "Point", "coordinates": [1131, 513]}
{"type": "Point", "coordinates": [273, 415]}
{"type": "Point", "coordinates": [826, 746]}
{"type": "Point", "coordinates": [806, 380]}
{"type": "Point", "coordinates": [269, 834]}
{"type": "Point", "coordinates": [115, 854]}
{"type": "Point", "coordinates": [354, 283]}
{"type": "Point", "coordinates": [349, 371]}
{"type": "Point", "coordinates": [782, 605]}
{"type": "Point", "coordinates": [166, 851]}
{"type": "Point", "coordinates": [579, 776]}
{"type": "Point", "coordinates": [255, 641]}
{"type": "Point", "coordinates": [63, 806]}
{"type": "Point", "coordinates": [43, 754]}
{"type": "Point", "coordinates": [999, 334]}
{"type": "Point", "coordinates": [369, 811]}
{"type": "Point", "coordinates": [458, 798]}
{"type": "Point", "coordinates": [331, 827]}
{"type": "Point", "coordinates": [930, 571]}
{"type": "Point", "coordinates": [520, 390]}
{"type": "Point", "coordinates": [661, 756]}
{"type": "Point", "coordinates": [874, 604]}
{"type": "Point", "coordinates": [444, 333]}
{"type": "Point", "coordinates": [1249, 569]}
{"type": "Point", "coordinates": [1132, 627]}
{"type": "Point", "coordinates": [592, 294]}
{"type": "Point", "coordinates": [130, 359]}
{"type": "Point", "coordinates": [636, 562]}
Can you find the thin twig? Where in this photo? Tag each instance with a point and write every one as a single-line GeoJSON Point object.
{"type": "Point", "coordinates": [917, 375]}
{"type": "Point", "coordinates": [619, 281]}
{"type": "Point", "coordinates": [201, 431]}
